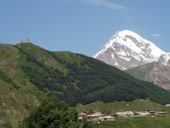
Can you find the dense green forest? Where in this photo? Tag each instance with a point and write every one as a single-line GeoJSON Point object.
{"type": "Point", "coordinates": [82, 79]}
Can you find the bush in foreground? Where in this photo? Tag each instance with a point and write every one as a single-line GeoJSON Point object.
{"type": "Point", "coordinates": [52, 113]}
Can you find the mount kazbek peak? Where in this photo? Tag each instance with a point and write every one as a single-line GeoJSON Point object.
{"type": "Point", "coordinates": [126, 49]}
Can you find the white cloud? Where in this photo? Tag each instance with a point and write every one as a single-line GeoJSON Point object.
{"type": "Point", "coordinates": [156, 35]}
{"type": "Point", "coordinates": [103, 3]}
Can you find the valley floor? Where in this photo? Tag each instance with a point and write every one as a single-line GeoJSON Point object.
{"type": "Point", "coordinates": [161, 121]}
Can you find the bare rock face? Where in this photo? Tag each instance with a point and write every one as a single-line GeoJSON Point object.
{"type": "Point", "coordinates": [127, 49]}
{"type": "Point", "coordinates": [164, 59]}
{"type": "Point", "coordinates": [157, 73]}
{"type": "Point", "coordinates": [160, 76]}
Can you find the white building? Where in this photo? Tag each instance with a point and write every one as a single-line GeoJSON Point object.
{"type": "Point", "coordinates": [143, 113]}
{"type": "Point", "coordinates": [81, 115]}
{"type": "Point", "coordinates": [95, 114]}
{"type": "Point", "coordinates": [127, 113]}
{"type": "Point", "coordinates": [106, 117]}
{"type": "Point", "coordinates": [167, 105]}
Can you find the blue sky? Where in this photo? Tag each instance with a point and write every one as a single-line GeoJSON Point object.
{"type": "Point", "coordinates": [83, 26]}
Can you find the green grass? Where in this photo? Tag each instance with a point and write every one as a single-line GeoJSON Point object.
{"type": "Point", "coordinates": [137, 122]}
{"type": "Point", "coordinates": [15, 103]}
{"type": "Point", "coordinates": [112, 108]}
{"type": "Point", "coordinates": [142, 72]}
{"type": "Point", "coordinates": [131, 122]}
{"type": "Point", "coordinates": [42, 55]}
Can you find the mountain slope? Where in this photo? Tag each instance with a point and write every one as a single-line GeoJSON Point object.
{"type": "Point", "coordinates": [164, 59]}
{"type": "Point", "coordinates": [127, 49]}
{"type": "Point", "coordinates": [15, 101]}
{"type": "Point", "coordinates": [36, 73]}
{"type": "Point", "coordinates": [157, 73]}
{"type": "Point", "coordinates": [17, 95]}
{"type": "Point", "coordinates": [80, 79]}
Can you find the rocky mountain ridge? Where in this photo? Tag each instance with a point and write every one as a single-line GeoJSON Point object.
{"type": "Point", "coordinates": [153, 72]}
{"type": "Point", "coordinates": [164, 59]}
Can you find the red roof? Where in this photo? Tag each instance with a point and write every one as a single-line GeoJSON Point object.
{"type": "Point", "coordinates": [95, 111]}
{"type": "Point", "coordinates": [144, 112]}
{"type": "Point", "coordinates": [106, 115]}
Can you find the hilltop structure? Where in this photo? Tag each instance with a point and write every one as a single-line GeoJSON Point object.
{"type": "Point", "coordinates": [27, 41]}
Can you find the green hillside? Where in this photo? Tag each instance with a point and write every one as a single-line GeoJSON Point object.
{"type": "Point", "coordinates": [32, 73]}
{"type": "Point", "coordinates": [76, 78]}
{"type": "Point", "coordinates": [15, 101]}
{"type": "Point", "coordinates": [113, 107]}
{"type": "Point", "coordinates": [142, 72]}
{"type": "Point", "coordinates": [18, 96]}
{"type": "Point", "coordinates": [137, 122]}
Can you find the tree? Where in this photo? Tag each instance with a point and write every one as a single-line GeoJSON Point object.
{"type": "Point", "coordinates": [52, 113]}
{"type": "Point", "coordinates": [6, 124]}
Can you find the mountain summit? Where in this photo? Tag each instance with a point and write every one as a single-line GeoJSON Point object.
{"type": "Point", "coordinates": [126, 49]}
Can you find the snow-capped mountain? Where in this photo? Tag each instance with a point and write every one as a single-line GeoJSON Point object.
{"type": "Point", "coordinates": [127, 49]}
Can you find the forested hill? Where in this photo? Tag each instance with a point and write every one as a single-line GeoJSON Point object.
{"type": "Point", "coordinates": [74, 78]}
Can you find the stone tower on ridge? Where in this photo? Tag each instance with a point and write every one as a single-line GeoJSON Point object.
{"type": "Point", "coordinates": [27, 41]}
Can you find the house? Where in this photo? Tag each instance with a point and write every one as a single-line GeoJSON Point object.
{"type": "Point", "coordinates": [167, 105]}
{"type": "Point", "coordinates": [143, 113]}
{"type": "Point", "coordinates": [161, 113]}
{"type": "Point", "coordinates": [94, 114]}
{"type": "Point", "coordinates": [81, 115]}
{"type": "Point", "coordinates": [106, 117]}
{"type": "Point", "coordinates": [127, 113]}
{"type": "Point", "coordinates": [152, 112]}
{"type": "Point", "coordinates": [96, 119]}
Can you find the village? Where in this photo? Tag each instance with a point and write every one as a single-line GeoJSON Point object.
{"type": "Point", "coordinates": [97, 116]}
